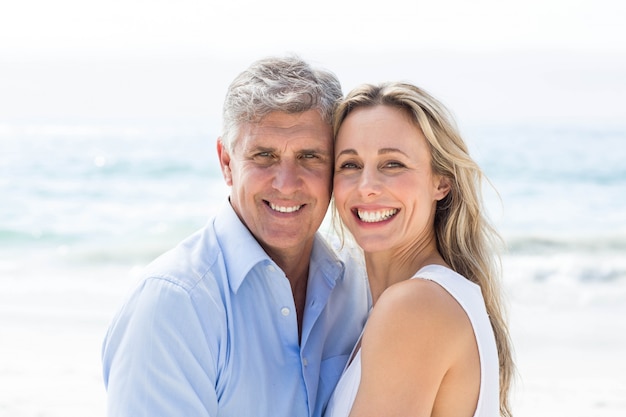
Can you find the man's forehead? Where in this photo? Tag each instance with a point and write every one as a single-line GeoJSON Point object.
{"type": "Point", "coordinates": [280, 128]}
{"type": "Point", "coordinates": [295, 130]}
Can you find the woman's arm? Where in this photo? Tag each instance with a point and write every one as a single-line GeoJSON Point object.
{"type": "Point", "coordinates": [414, 341]}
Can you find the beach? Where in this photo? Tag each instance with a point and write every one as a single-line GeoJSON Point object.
{"type": "Point", "coordinates": [109, 112]}
{"type": "Point", "coordinates": [569, 353]}
{"type": "Point", "coordinates": [569, 348]}
{"type": "Point", "coordinates": [85, 209]}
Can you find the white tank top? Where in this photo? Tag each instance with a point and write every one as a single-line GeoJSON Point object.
{"type": "Point", "coordinates": [469, 296]}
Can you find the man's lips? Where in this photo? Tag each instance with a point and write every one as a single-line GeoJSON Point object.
{"type": "Point", "coordinates": [283, 208]}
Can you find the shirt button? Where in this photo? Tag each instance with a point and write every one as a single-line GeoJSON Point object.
{"type": "Point", "coordinates": [305, 362]}
{"type": "Point", "coordinates": [271, 268]}
{"type": "Point", "coordinates": [284, 311]}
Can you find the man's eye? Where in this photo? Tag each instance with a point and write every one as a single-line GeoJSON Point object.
{"type": "Point", "coordinates": [264, 158]}
{"type": "Point", "coordinates": [309, 156]}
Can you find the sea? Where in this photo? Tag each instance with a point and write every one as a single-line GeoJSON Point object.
{"type": "Point", "coordinates": [84, 207]}
{"type": "Point", "coordinates": [76, 196]}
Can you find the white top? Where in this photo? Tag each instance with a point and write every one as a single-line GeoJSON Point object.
{"type": "Point", "coordinates": [469, 296]}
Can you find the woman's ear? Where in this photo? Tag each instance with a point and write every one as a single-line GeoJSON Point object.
{"type": "Point", "coordinates": [224, 157]}
{"type": "Point", "coordinates": [443, 188]}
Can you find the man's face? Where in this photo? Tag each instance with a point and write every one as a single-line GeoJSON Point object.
{"type": "Point", "coordinates": [280, 172]}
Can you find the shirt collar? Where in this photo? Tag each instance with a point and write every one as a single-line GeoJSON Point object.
{"type": "Point", "coordinates": [242, 252]}
{"type": "Point", "coordinates": [324, 262]}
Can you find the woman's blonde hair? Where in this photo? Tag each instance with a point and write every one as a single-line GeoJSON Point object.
{"type": "Point", "coordinates": [465, 238]}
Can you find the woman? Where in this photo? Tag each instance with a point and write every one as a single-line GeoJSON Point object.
{"type": "Point", "coordinates": [436, 342]}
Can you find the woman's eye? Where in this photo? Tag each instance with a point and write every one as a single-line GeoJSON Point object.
{"type": "Point", "coordinates": [348, 165]}
{"type": "Point", "coordinates": [394, 164]}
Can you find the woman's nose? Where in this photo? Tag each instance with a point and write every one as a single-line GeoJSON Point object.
{"type": "Point", "coordinates": [369, 182]}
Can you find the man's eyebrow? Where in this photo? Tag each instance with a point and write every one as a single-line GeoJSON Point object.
{"type": "Point", "coordinates": [260, 148]}
{"type": "Point", "coordinates": [319, 151]}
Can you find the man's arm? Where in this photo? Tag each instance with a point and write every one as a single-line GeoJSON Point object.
{"type": "Point", "coordinates": [156, 358]}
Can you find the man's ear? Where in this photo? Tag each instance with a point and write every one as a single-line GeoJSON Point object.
{"type": "Point", "coordinates": [443, 188]}
{"type": "Point", "coordinates": [224, 157]}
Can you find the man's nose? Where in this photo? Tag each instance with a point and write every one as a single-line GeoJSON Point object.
{"type": "Point", "coordinates": [287, 178]}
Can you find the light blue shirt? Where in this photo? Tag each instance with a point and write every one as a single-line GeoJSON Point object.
{"type": "Point", "coordinates": [212, 331]}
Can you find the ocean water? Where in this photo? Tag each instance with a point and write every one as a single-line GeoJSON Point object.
{"type": "Point", "coordinates": [562, 201]}
{"type": "Point", "coordinates": [83, 208]}
{"type": "Point", "coordinates": [87, 195]}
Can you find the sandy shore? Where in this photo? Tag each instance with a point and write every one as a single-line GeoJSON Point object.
{"type": "Point", "coordinates": [570, 361]}
{"type": "Point", "coordinates": [570, 352]}
{"type": "Point", "coordinates": [51, 330]}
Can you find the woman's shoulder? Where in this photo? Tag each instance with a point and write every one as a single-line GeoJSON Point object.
{"type": "Point", "coordinates": [416, 333]}
{"type": "Point", "coordinates": [417, 308]}
{"type": "Point", "coordinates": [417, 297]}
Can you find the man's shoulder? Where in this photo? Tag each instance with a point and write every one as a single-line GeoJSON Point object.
{"type": "Point", "coordinates": [190, 262]}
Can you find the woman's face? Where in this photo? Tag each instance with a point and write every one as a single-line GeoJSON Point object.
{"type": "Point", "coordinates": [384, 187]}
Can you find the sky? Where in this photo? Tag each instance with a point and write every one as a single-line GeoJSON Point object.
{"type": "Point", "coordinates": [490, 61]}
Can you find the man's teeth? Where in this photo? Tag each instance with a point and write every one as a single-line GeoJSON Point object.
{"type": "Point", "coordinates": [284, 209]}
{"type": "Point", "coordinates": [376, 216]}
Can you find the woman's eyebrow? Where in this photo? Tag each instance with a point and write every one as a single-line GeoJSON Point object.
{"type": "Point", "coordinates": [348, 152]}
{"type": "Point", "coordinates": [390, 150]}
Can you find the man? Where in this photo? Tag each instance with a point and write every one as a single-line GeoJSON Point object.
{"type": "Point", "coordinates": [253, 315]}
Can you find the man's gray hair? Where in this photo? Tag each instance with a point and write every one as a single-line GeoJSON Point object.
{"type": "Point", "coordinates": [288, 85]}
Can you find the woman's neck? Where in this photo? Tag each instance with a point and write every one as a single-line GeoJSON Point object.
{"type": "Point", "coordinates": [389, 267]}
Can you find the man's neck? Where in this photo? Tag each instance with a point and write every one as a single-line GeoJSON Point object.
{"type": "Point", "coordinates": [298, 289]}
{"type": "Point", "coordinates": [295, 265]}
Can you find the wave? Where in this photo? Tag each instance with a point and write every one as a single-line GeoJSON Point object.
{"type": "Point", "coordinates": [137, 246]}
{"type": "Point", "coordinates": [566, 279]}
{"type": "Point", "coordinates": [147, 170]}
{"type": "Point", "coordinates": [16, 238]}
{"type": "Point", "coordinates": [555, 244]}
{"type": "Point", "coordinates": [566, 268]}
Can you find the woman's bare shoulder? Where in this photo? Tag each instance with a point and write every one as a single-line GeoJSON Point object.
{"type": "Point", "coordinates": [416, 309]}
{"type": "Point", "coordinates": [415, 334]}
